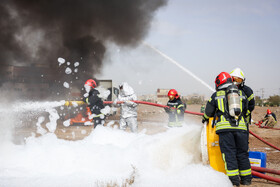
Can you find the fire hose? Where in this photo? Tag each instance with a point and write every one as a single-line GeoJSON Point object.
{"type": "Point", "coordinates": [68, 103]}
{"type": "Point", "coordinates": [154, 104]}
{"type": "Point", "coordinates": [261, 175]}
{"type": "Point", "coordinates": [259, 125]}
{"type": "Point", "coordinates": [254, 169]}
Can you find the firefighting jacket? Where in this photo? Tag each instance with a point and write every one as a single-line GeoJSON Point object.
{"type": "Point", "coordinates": [217, 107]}
{"type": "Point", "coordinates": [94, 102]}
{"type": "Point", "coordinates": [176, 114]}
{"type": "Point", "coordinates": [250, 97]}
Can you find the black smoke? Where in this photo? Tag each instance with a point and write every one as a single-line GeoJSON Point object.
{"type": "Point", "coordinates": [40, 31]}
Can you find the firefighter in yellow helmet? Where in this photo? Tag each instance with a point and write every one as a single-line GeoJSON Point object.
{"type": "Point", "coordinates": [228, 107]}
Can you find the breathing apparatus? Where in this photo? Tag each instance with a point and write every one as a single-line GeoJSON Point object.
{"type": "Point", "coordinates": [233, 100]}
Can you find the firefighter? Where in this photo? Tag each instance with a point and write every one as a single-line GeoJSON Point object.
{"type": "Point", "coordinates": [228, 107]}
{"type": "Point", "coordinates": [95, 103]}
{"type": "Point", "coordinates": [270, 119]}
{"type": "Point", "coordinates": [175, 109]}
{"type": "Point", "coordinates": [128, 115]}
{"type": "Point", "coordinates": [239, 79]}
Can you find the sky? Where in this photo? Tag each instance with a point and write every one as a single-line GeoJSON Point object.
{"type": "Point", "coordinates": [206, 38]}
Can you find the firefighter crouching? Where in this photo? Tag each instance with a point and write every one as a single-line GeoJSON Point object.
{"type": "Point", "coordinates": [228, 106]}
{"type": "Point", "coordinates": [175, 109]}
{"type": "Point", "coordinates": [269, 119]}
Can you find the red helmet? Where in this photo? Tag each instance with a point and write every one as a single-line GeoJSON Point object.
{"type": "Point", "coordinates": [173, 92]}
{"type": "Point", "coordinates": [91, 83]}
{"type": "Point", "coordinates": [222, 79]}
{"type": "Point", "coordinates": [268, 111]}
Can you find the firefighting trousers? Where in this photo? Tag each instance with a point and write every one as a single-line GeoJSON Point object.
{"type": "Point", "coordinates": [234, 148]}
{"type": "Point", "coordinates": [130, 122]}
{"type": "Point", "coordinates": [98, 121]}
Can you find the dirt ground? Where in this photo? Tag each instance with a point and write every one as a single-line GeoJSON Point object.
{"type": "Point", "coordinates": [153, 120]}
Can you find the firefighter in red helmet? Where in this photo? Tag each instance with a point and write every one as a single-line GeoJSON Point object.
{"type": "Point", "coordinates": [228, 106]}
{"type": "Point", "coordinates": [175, 109]}
{"type": "Point", "coordinates": [95, 103]}
{"type": "Point", "coordinates": [269, 119]}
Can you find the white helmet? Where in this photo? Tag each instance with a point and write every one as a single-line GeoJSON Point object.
{"type": "Point", "coordinates": [237, 72]}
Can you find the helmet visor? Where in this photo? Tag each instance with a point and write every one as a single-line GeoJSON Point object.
{"type": "Point", "coordinates": [237, 80]}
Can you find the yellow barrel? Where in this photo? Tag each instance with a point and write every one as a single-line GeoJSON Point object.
{"type": "Point", "coordinates": [74, 103]}
{"type": "Point", "coordinates": [211, 153]}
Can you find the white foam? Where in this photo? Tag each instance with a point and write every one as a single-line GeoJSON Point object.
{"type": "Point", "coordinates": [109, 156]}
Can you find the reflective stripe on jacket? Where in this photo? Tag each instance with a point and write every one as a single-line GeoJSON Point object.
{"type": "Point", "coordinates": [217, 106]}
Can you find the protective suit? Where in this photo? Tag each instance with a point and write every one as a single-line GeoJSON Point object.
{"type": "Point", "coordinates": [128, 113]}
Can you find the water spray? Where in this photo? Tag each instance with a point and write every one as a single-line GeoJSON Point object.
{"type": "Point", "coordinates": [180, 66]}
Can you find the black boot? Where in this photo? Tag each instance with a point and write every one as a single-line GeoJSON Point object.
{"type": "Point", "coordinates": [246, 182]}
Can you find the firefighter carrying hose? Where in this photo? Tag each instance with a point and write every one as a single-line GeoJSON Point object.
{"type": "Point", "coordinates": [175, 109]}
{"type": "Point", "coordinates": [228, 106]}
{"type": "Point", "coordinates": [95, 103]}
{"type": "Point", "coordinates": [239, 80]}
{"type": "Point", "coordinates": [128, 115]}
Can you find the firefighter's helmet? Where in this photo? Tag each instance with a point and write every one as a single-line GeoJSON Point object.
{"type": "Point", "coordinates": [223, 80]}
{"type": "Point", "coordinates": [268, 111]}
{"type": "Point", "coordinates": [91, 83]}
{"type": "Point", "coordinates": [173, 93]}
{"type": "Point", "coordinates": [237, 72]}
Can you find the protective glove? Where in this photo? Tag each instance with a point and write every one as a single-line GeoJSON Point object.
{"type": "Point", "coordinates": [204, 119]}
{"type": "Point", "coordinates": [129, 103]}
{"type": "Point", "coordinates": [178, 111]}
{"type": "Point", "coordinates": [167, 109]}
{"type": "Point", "coordinates": [172, 110]}
{"type": "Point", "coordinates": [115, 102]}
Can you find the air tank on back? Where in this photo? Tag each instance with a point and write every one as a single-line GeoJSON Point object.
{"type": "Point", "coordinates": [233, 101]}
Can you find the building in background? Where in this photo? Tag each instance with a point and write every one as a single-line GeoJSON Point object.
{"type": "Point", "coordinates": [33, 82]}
{"type": "Point", "coordinates": [162, 97]}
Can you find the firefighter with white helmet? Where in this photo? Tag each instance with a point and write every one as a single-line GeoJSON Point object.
{"type": "Point", "coordinates": [239, 80]}
{"type": "Point", "coordinates": [175, 109]}
{"type": "Point", "coordinates": [95, 103]}
{"type": "Point", "coordinates": [128, 115]}
{"type": "Point", "coordinates": [228, 107]}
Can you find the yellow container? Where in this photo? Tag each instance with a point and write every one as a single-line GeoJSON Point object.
{"type": "Point", "coordinates": [210, 148]}
{"type": "Point", "coordinates": [74, 103]}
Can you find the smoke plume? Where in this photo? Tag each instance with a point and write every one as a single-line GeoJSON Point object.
{"type": "Point", "coordinates": [39, 31]}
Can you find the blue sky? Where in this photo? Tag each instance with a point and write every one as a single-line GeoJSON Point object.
{"type": "Point", "coordinates": [206, 37]}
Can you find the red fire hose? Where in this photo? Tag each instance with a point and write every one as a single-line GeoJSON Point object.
{"type": "Point", "coordinates": [273, 171]}
{"type": "Point", "coordinates": [154, 104]}
{"type": "Point", "coordinates": [269, 128]}
{"type": "Point", "coordinates": [259, 125]}
{"type": "Point", "coordinates": [195, 113]}
{"type": "Point", "coordinates": [264, 141]}
{"type": "Point", "coordinates": [257, 174]}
